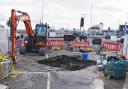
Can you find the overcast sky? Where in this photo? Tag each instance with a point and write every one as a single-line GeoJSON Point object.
{"type": "Point", "coordinates": [67, 13]}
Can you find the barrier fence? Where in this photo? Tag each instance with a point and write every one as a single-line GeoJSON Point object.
{"type": "Point", "coordinates": [56, 43]}
{"type": "Point", "coordinates": [111, 46]}
{"type": "Point", "coordinates": [18, 43]}
{"type": "Point", "coordinates": [81, 44]}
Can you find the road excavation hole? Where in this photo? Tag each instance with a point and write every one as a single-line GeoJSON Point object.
{"type": "Point", "coordinates": [67, 62]}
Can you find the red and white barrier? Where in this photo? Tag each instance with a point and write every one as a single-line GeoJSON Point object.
{"type": "Point", "coordinates": [112, 46]}
{"type": "Point", "coordinates": [81, 44]}
{"type": "Point", "coordinates": [56, 43]}
{"type": "Point", "coordinates": [75, 44]}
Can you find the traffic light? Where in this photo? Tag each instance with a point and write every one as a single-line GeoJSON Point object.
{"type": "Point", "coordinates": [82, 22]}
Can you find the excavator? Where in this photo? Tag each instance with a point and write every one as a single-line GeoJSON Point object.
{"type": "Point", "coordinates": [36, 41]}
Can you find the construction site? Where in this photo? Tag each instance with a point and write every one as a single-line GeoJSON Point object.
{"type": "Point", "coordinates": [37, 51]}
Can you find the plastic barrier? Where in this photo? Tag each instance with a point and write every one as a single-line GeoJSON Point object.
{"type": "Point", "coordinates": [112, 46]}
{"type": "Point", "coordinates": [52, 43]}
{"type": "Point", "coordinates": [18, 43]}
{"type": "Point", "coordinates": [75, 44]}
{"type": "Point", "coordinates": [56, 43]}
{"type": "Point", "coordinates": [81, 44]}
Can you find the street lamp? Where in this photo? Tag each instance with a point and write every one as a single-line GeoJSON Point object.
{"type": "Point", "coordinates": [43, 11]}
{"type": "Point", "coordinates": [91, 14]}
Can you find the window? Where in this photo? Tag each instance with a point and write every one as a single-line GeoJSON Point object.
{"type": "Point", "coordinates": [41, 31]}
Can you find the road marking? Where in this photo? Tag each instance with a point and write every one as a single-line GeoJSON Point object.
{"type": "Point", "coordinates": [26, 72]}
{"type": "Point", "coordinates": [48, 81]}
{"type": "Point", "coordinates": [98, 84]}
{"type": "Point", "coordinates": [3, 86]}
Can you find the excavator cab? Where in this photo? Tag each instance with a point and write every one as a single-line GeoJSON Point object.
{"type": "Point", "coordinates": [41, 29]}
{"type": "Point", "coordinates": [38, 43]}
{"type": "Point", "coordinates": [41, 33]}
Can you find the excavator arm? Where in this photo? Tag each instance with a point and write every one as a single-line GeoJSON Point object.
{"type": "Point", "coordinates": [13, 22]}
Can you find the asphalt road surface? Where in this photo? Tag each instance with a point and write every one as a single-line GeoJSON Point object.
{"type": "Point", "coordinates": [32, 75]}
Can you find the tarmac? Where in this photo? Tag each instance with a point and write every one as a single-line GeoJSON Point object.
{"type": "Point", "coordinates": [32, 75]}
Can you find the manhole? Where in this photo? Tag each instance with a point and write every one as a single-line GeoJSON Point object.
{"type": "Point", "coordinates": [67, 62]}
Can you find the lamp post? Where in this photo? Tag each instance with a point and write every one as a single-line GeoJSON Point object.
{"type": "Point", "coordinates": [43, 11]}
{"type": "Point", "coordinates": [91, 15]}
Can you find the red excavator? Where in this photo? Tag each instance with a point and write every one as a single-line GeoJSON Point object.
{"type": "Point", "coordinates": [36, 41]}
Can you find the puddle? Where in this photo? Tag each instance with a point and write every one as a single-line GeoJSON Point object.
{"type": "Point", "coordinates": [67, 62]}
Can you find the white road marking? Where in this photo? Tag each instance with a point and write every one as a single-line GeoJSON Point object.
{"type": "Point", "coordinates": [48, 81]}
{"type": "Point", "coordinates": [98, 84]}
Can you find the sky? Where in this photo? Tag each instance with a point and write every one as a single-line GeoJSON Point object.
{"type": "Point", "coordinates": [67, 13]}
